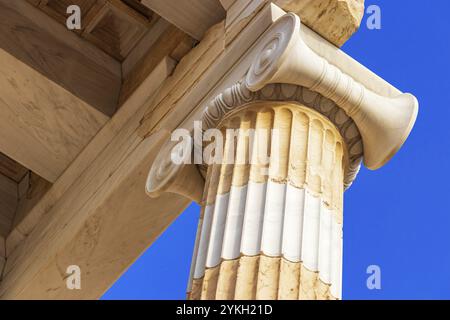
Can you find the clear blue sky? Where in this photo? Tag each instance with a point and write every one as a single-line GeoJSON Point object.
{"type": "Point", "coordinates": [397, 217]}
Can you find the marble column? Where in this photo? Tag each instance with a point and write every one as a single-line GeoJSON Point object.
{"type": "Point", "coordinates": [271, 220]}
{"type": "Point", "coordinates": [272, 228]}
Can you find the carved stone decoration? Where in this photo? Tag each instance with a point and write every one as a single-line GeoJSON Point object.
{"type": "Point", "coordinates": [168, 176]}
{"type": "Point", "coordinates": [384, 123]}
{"type": "Point", "coordinates": [277, 233]}
{"type": "Point", "coordinates": [273, 229]}
{"type": "Point", "coordinates": [286, 69]}
{"type": "Point", "coordinates": [239, 95]}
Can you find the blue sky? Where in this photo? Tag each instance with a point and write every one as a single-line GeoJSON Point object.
{"type": "Point", "coordinates": [397, 217]}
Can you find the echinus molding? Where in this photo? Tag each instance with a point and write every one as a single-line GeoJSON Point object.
{"type": "Point", "coordinates": [239, 95]}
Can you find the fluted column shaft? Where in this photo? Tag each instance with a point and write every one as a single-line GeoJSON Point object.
{"type": "Point", "coordinates": [271, 224]}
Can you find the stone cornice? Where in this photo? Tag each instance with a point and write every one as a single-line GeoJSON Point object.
{"type": "Point", "coordinates": [335, 20]}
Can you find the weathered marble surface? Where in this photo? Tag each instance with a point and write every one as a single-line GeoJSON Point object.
{"type": "Point", "coordinates": [335, 20]}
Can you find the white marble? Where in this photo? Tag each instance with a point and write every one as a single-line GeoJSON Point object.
{"type": "Point", "coordinates": [200, 261]}
{"type": "Point", "coordinates": [311, 227]}
{"type": "Point", "coordinates": [233, 227]}
{"type": "Point", "coordinates": [293, 224]}
{"type": "Point", "coordinates": [324, 262]}
{"type": "Point", "coordinates": [253, 219]}
{"type": "Point", "coordinates": [272, 233]}
{"type": "Point", "coordinates": [336, 260]}
{"type": "Point", "coordinates": [217, 230]}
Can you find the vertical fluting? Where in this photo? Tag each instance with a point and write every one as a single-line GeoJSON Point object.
{"type": "Point", "coordinates": [271, 224]}
{"type": "Point", "coordinates": [235, 215]}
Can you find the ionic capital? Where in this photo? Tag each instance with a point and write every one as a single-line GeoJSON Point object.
{"type": "Point", "coordinates": [384, 122]}
{"type": "Point", "coordinates": [373, 125]}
